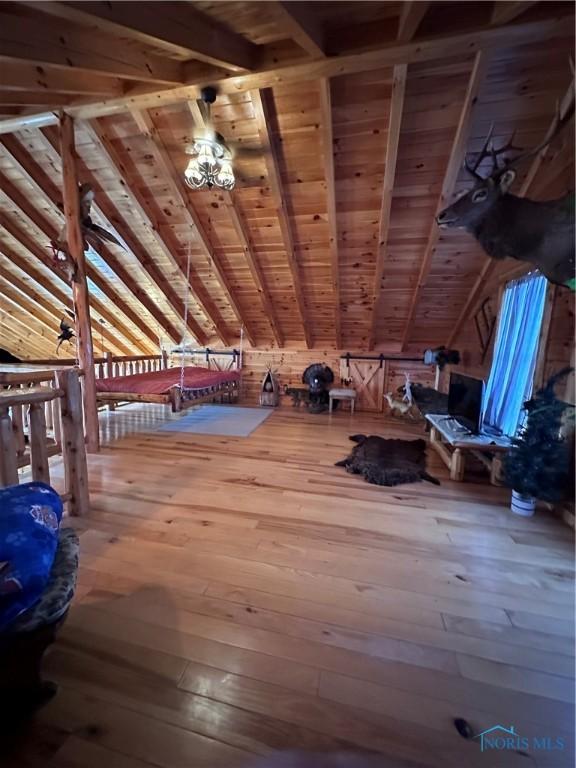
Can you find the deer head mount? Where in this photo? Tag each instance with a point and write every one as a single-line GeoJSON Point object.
{"type": "Point", "coordinates": [541, 233]}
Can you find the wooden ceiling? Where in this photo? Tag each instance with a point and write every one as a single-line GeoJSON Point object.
{"type": "Point", "coordinates": [359, 115]}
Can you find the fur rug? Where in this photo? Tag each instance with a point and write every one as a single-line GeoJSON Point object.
{"type": "Point", "coordinates": [388, 462]}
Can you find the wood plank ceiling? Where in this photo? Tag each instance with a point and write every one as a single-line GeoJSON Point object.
{"type": "Point", "coordinates": [353, 117]}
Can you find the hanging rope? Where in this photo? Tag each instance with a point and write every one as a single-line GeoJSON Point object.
{"type": "Point", "coordinates": [77, 345]}
{"type": "Point", "coordinates": [241, 347]}
{"type": "Point", "coordinates": [186, 297]}
{"type": "Point", "coordinates": [158, 329]}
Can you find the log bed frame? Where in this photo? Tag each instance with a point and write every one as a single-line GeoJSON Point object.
{"type": "Point", "coordinates": [177, 399]}
{"type": "Point", "coordinates": [111, 366]}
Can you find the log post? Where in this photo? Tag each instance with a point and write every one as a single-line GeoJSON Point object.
{"type": "Point", "coordinates": [18, 427]}
{"type": "Point", "coordinates": [109, 372]}
{"type": "Point", "coordinates": [164, 359]}
{"type": "Point", "coordinates": [73, 446]}
{"type": "Point", "coordinates": [8, 460]}
{"type": "Point", "coordinates": [38, 447]}
{"type": "Point", "coordinates": [75, 245]}
{"type": "Point", "coordinates": [109, 365]}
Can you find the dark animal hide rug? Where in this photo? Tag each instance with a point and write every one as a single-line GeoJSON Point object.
{"type": "Point", "coordinates": [388, 462]}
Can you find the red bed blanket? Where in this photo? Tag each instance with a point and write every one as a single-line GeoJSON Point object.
{"type": "Point", "coordinates": [159, 382]}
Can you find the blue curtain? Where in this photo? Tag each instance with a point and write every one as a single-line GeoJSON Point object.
{"type": "Point", "coordinates": [515, 352]}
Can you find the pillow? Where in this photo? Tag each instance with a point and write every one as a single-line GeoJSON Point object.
{"type": "Point", "coordinates": [30, 516]}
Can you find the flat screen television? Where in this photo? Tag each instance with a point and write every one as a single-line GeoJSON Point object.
{"type": "Point", "coordinates": [465, 401]}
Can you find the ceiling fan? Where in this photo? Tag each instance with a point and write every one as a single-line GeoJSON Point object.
{"type": "Point", "coordinates": [211, 162]}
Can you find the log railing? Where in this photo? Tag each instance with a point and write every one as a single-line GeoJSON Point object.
{"type": "Point", "coordinates": [126, 366]}
{"type": "Point", "coordinates": [41, 417]}
{"type": "Point", "coordinates": [112, 365]}
{"type": "Point", "coordinates": [217, 360]}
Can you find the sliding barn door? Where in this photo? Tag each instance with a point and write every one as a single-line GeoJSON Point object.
{"type": "Point", "coordinates": [368, 377]}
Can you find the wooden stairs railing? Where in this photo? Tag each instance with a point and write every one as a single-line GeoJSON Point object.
{"type": "Point", "coordinates": [41, 417]}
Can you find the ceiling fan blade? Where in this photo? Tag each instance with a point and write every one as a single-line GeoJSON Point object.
{"type": "Point", "coordinates": [241, 152]}
{"type": "Point", "coordinates": [203, 125]}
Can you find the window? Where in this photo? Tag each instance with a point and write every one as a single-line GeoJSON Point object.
{"type": "Point", "coordinates": [515, 352]}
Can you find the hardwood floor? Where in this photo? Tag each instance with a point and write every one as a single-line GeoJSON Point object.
{"type": "Point", "coordinates": [240, 595]}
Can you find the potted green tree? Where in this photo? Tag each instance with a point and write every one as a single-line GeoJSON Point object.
{"type": "Point", "coordinates": [538, 466]}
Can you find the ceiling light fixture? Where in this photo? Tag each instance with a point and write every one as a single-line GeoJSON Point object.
{"type": "Point", "coordinates": [211, 161]}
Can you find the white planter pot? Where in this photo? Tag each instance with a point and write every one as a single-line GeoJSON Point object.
{"type": "Point", "coordinates": [522, 505]}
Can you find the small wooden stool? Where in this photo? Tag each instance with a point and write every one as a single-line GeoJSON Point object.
{"type": "Point", "coordinates": [342, 394]}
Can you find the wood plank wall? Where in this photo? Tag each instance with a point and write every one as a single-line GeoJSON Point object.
{"type": "Point", "coordinates": [560, 344]}
{"type": "Point", "coordinates": [291, 363]}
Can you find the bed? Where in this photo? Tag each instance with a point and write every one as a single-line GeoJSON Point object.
{"type": "Point", "coordinates": [163, 386]}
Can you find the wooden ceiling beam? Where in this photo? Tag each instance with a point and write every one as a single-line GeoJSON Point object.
{"type": "Point", "coordinates": [180, 191]}
{"type": "Point", "coordinates": [490, 265]}
{"type": "Point", "coordinates": [12, 340]}
{"type": "Point", "coordinates": [20, 307]}
{"type": "Point", "coordinates": [392, 142]}
{"type": "Point", "coordinates": [33, 98]}
{"type": "Point", "coordinates": [115, 162]}
{"type": "Point", "coordinates": [37, 319]}
{"type": "Point", "coordinates": [387, 55]}
{"type": "Point", "coordinates": [42, 255]}
{"type": "Point", "coordinates": [178, 29]}
{"type": "Point", "coordinates": [19, 336]}
{"type": "Point", "coordinates": [328, 151]}
{"type": "Point", "coordinates": [106, 209]}
{"type": "Point", "coordinates": [302, 26]}
{"type": "Point", "coordinates": [36, 304]}
{"type": "Point", "coordinates": [457, 155]}
{"type": "Point", "coordinates": [51, 233]}
{"type": "Point", "coordinates": [51, 43]}
{"type": "Point", "coordinates": [245, 241]}
{"type": "Point", "coordinates": [505, 12]}
{"type": "Point", "coordinates": [254, 265]}
{"type": "Point", "coordinates": [22, 76]}
{"type": "Point", "coordinates": [263, 110]}
{"type": "Point", "coordinates": [410, 18]}
{"type": "Point", "coordinates": [32, 273]}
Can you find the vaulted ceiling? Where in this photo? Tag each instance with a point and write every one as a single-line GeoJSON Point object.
{"type": "Point", "coordinates": [358, 116]}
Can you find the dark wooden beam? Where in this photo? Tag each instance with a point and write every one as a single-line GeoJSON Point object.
{"type": "Point", "coordinates": [23, 76]}
{"type": "Point", "coordinates": [387, 55]}
{"type": "Point", "coordinates": [505, 12]}
{"type": "Point", "coordinates": [301, 24]}
{"type": "Point", "coordinates": [177, 28]}
{"type": "Point", "coordinates": [47, 42]}
{"type": "Point", "coordinates": [410, 18]}
{"type": "Point", "coordinates": [33, 98]}
{"type": "Point", "coordinates": [261, 101]}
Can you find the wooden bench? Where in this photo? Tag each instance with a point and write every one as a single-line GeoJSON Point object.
{"type": "Point", "coordinates": [342, 394]}
{"type": "Point", "coordinates": [453, 445]}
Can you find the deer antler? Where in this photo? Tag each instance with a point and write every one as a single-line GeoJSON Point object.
{"type": "Point", "coordinates": [489, 150]}
{"type": "Point", "coordinates": [508, 147]}
{"type": "Point", "coordinates": [555, 128]}
{"type": "Point", "coordinates": [473, 169]}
